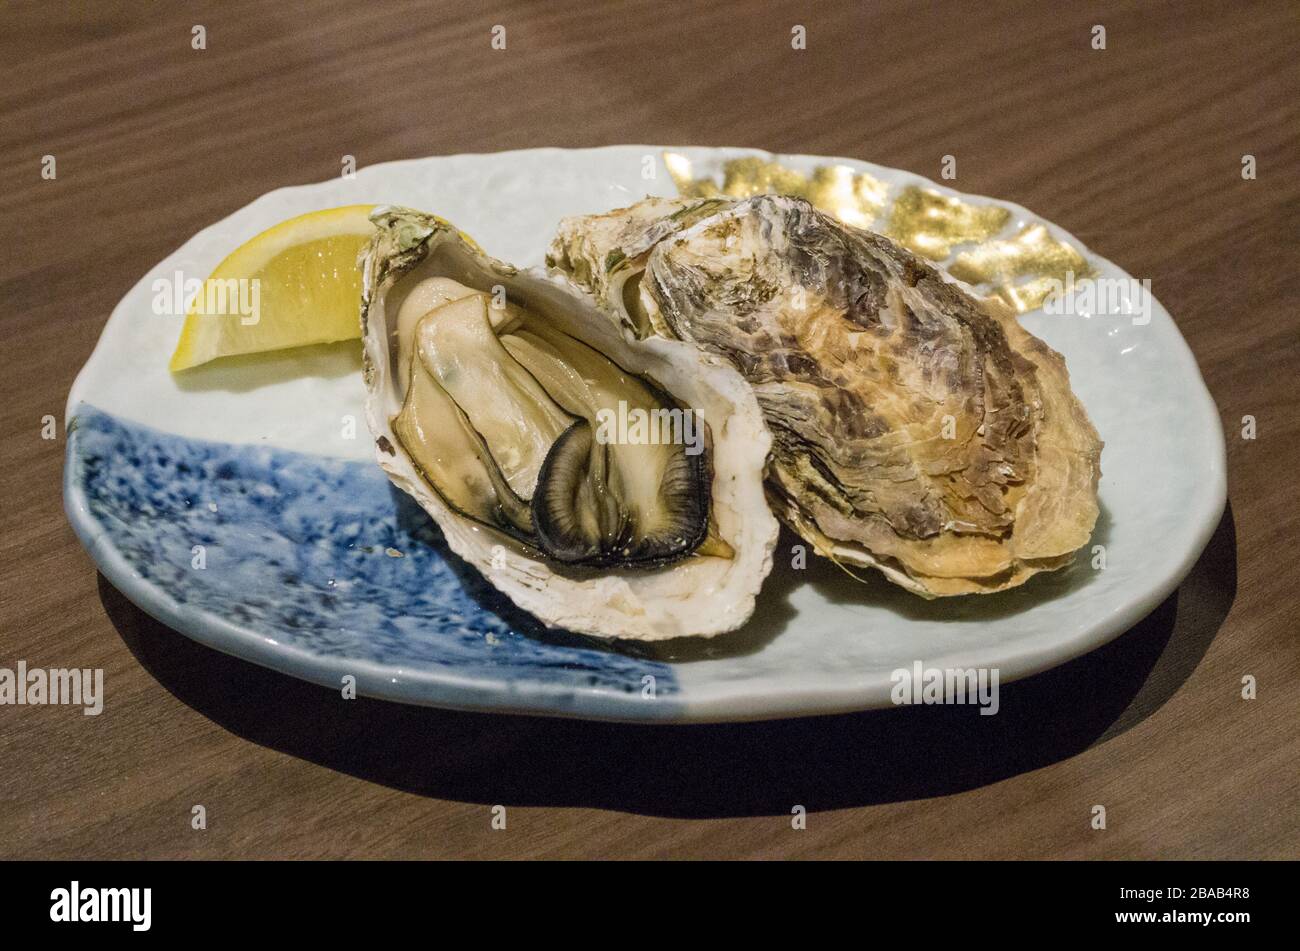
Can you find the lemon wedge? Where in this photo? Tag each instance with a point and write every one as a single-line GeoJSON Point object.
{"type": "Point", "coordinates": [293, 285]}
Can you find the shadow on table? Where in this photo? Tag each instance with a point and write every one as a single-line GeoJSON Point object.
{"type": "Point", "coordinates": [827, 762]}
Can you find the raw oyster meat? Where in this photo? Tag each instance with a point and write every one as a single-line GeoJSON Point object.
{"type": "Point", "coordinates": [608, 485]}
{"type": "Point", "coordinates": [916, 428]}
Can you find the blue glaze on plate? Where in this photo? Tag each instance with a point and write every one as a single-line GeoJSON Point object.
{"type": "Point", "coordinates": [320, 567]}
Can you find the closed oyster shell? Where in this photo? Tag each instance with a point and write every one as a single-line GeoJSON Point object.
{"type": "Point", "coordinates": [699, 595]}
{"type": "Point", "coordinates": [917, 429]}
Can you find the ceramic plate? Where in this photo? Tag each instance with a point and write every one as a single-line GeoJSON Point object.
{"type": "Point", "coordinates": [241, 505]}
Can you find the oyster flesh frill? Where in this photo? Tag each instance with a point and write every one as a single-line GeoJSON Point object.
{"type": "Point", "coordinates": [607, 485]}
{"type": "Point", "coordinates": [916, 428]}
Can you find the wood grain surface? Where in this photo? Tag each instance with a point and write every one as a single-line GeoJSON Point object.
{"type": "Point", "coordinates": [1137, 149]}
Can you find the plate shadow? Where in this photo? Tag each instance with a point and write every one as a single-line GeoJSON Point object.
{"type": "Point", "coordinates": [698, 771]}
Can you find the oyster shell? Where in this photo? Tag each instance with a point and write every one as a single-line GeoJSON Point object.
{"type": "Point", "coordinates": [917, 429]}
{"type": "Point", "coordinates": [495, 397]}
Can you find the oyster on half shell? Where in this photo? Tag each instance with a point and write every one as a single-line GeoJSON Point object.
{"type": "Point", "coordinates": [608, 485]}
{"type": "Point", "coordinates": [916, 428]}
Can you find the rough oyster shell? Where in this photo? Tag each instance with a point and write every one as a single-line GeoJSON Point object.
{"type": "Point", "coordinates": [917, 429]}
{"type": "Point", "coordinates": [698, 595]}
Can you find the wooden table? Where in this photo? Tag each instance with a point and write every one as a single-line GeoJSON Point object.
{"type": "Point", "coordinates": [1137, 149]}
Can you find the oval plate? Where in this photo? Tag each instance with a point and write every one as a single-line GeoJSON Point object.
{"type": "Point", "coordinates": [241, 505]}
